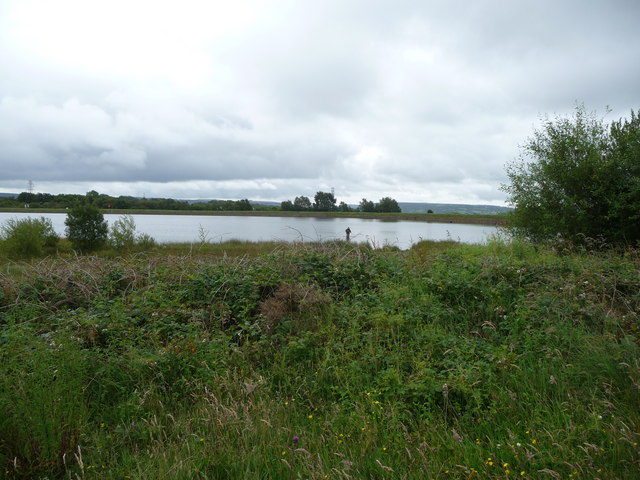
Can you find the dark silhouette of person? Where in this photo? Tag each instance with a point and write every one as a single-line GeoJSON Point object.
{"type": "Point", "coordinates": [348, 232]}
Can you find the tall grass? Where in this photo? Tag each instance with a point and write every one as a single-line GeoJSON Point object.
{"type": "Point", "coordinates": [322, 361]}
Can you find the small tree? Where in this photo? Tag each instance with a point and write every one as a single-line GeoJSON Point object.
{"type": "Point", "coordinates": [324, 202]}
{"type": "Point", "coordinates": [244, 205]}
{"type": "Point", "coordinates": [343, 207]}
{"type": "Point", "coordinates": [388, 205]}
{"type": "Point", "coordinates": [286, 206]}
{"type": "Point", "coordinates": [367, 206]}
{"type": "Point", "coordinates": [86, 227]}
{"type": "Point", "coordinates": [28, 237]}
{"type": "Point", "coordinates": [302, 204]}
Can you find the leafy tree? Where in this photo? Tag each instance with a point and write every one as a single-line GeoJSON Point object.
{"type": "Point", "coordinates": [388, 205]}
{"type": "Point", "coordinates": [28, 237]}
{"type": "Point", "coordinates": [286, 206]}
{"type": "Point", "coordinates": [343, 207]}
{"type": "Point", "coordinates": [26, 197]}
{"type": "Point", "coordinates": [625, 179]}
{"type": "Point", "coordinates": [367, 206]}
{"type": "Point", "coordinates": [324, 202]}
{"type": "Point", "coordinates": [86, 227]}
{"type": "Point", "coordinates": [123, 202]}
{"type": "Point", "coordinates": [578, 178]}
{"type": "Point", "coordinates": [243, 205]}
{"type": "Point", "coordinates": [302, 203]}
{"type": "Point", "coordinates": [93, 197]}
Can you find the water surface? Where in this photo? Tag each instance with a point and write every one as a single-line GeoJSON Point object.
{"type": "Point", "coordinates": [194, 228]}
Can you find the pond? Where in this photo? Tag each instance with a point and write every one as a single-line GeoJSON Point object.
{"type": "Point", "coordinates": [212, 228]}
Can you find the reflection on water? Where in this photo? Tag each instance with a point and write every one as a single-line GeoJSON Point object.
{"type": "Point", "coordinates": [191, 228]}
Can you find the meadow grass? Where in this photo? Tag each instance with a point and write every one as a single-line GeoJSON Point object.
{"type": "Point", "coordinates": [329, 360]}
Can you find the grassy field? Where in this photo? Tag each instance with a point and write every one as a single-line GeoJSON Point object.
{"type": "Point", "coordinates": [314, 361]}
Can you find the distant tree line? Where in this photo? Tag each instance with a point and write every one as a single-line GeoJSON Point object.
{"type": "Point", "coordinates": [326, 202]}
{"type": "Point", "coordinates": [100, 200]}
{"type": "Point", "coordinates": [322, 202]}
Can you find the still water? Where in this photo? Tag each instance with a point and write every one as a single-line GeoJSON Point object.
{"type": "Point", "coordinates": [194, 228]}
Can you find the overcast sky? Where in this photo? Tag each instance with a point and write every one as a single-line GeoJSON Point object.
{"type": "Point", "coordinates": [420, 100]}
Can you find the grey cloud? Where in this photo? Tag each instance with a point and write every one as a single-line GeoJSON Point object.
{"type": "Point", "coordinates": [82, 142]}
{"type": "Point", "coordinates": [420, 98]}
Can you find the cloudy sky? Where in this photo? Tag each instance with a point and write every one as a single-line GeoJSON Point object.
{"type": "Point", "coordinates": [421, 100]}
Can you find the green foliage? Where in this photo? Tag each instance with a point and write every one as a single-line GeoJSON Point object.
{"type": "Point", "coordinates": [286, 206]}
{"type": "Point", "coordinates": [41, 399]}
{"type": "Point", "coordinates": [86, 227]}
{"type": "Point", "coordinates": [388, 205]}
{"type": "Point", "coordinates": [122, 233]}
{"type": "Point", "coordinates": [385, 205]}
{"type": "Point", "coordinates": [579, 178]}
{"type": "Point", "coordinates": [243, 205]}
{"type": "Point", "coordinates": [324, 202]}
{"type": "Point", "coordinates": [123, 236]}
{"type": "Point", "coordinates": [300, 204]}
{"type": "Point", "coordinates": [447, 361]}
{"type": "Point", "coordinates": [28, 237]}
{"type": "Point", "coordinates": [101, 200]}
{"type": "Point", "coordinates": [367, 206]}
{"type": "Point", "coordinates": [144, 241]}
{"type": "Point", "coordinates": [343, 207]}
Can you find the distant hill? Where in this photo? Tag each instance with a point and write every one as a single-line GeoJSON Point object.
{"type": "Point", "coordinates": [410, 207]}
{"type": "Point", "coordinates": [14, 195]}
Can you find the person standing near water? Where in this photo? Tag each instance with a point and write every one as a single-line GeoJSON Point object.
{"type": "Point", "coordinates": [348, 232]}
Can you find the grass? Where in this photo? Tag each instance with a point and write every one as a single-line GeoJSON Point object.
{"type": "Point", "coordinates": [328, 360]}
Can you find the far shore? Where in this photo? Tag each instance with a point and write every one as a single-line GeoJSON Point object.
{"type": "Point", "coordinates": [494, 220]}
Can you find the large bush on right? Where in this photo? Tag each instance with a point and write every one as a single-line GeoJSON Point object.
{"type": "Point", "coordinates": [579, 178]}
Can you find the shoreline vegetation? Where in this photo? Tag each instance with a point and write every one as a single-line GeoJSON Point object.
{"type": "Point", "coordinates": [328, 360]}
{"type": "Point", "coordinates": [495, 220]}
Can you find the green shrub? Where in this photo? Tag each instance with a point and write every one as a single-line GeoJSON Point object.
{"type": "Point", "coordinates": [145, 241]}
{"type": "Point", "coordinates": [578, 179]}
{"type": "Point", "coordinates": [28, 237]}
{"type": "Point", "coordinates": [122, 233]}
{"type": "Point", "coordinates": [86, 227]}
